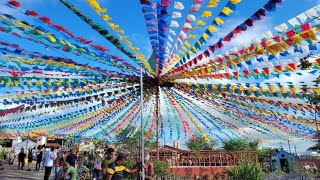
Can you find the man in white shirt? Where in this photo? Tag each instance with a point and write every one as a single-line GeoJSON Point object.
{"type": "Point", "coordinates": [48, 163]}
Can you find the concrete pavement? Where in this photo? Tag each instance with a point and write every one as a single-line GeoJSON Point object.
{"type": "Point", "coordinates": [12, 172]}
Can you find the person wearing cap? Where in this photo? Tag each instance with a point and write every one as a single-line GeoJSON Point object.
{"type": "Point", "coordinates": [116, 168]}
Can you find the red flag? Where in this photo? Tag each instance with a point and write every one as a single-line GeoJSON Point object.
{"type": "Point", "coordinates": [266, 70]}
{"type": "Point", "coordinates": [45, 19]}
{"type": "Point", "coordinates": [31, 13]}
{"type": "Point", "coordinates": [278, 38]}
{"type": "Point", "coordinates": [14, 3]}
{"type": "Point", "coordinates": [290, 33]}
{"type": "Point", "coordinates": [306, 27]}
{"type": "Point", "coordinates": [246, 72]}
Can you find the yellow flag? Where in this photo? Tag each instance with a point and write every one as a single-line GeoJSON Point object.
{"type": "Point", "coordinates": [113, 26]}
{"type": "Point", "coordinates": [192, 36]}
{"type": "Point", "coordinates": [205, 36]}
{"type": "Point", "coordinates": [51, 38]}
{"type": "Point", "coordinates": [200, 23]}
{"type": "Point", "coordinates": [184, 48]}
{"type": "Point", "coordinates": [187, 43]}
{"type": "Point", "coordinates": [119, 31]}
{"type": "Point", "coordinates": [226, 11]}
{"type": "Point", "coordinates": [20, 24]}
{"type": "Point", "coordinates": [234, 1]}
{"type": "Point", "coordinates": [206, 14]}
{"type": "Point", "coordinates": [106, 17]}
{"type": "Point", "coordinates": [218, 21]}
{"type": "Point", "coordinates": [212, 3]}
{"type": "Point", "coordinates": [127, 42]}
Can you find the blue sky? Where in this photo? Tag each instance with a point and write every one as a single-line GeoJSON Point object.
{"type": "Point", "coordinates": [127, 14]}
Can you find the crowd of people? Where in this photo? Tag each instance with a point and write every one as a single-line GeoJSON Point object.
{"type": "Point", "coordinates": [76, 165]}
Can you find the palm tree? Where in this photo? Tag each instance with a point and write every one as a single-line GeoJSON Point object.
{"type": "Point", "coordinates": [304, 63]}
{"type": "Point", "coordinates": [316, 147]}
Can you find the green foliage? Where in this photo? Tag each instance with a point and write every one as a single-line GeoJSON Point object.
{"type": "Point", "coordinates": [129, 164]}
{"type": "Point", "coordinates": [200, 143]}
{"type": "Point", "coordinates": [160, 167]}
{"type": "Point", "coordinates": [131, 144]}
{"type": "Point", "coordinates": [266, 153]}
{"type": "Point", "coordinates": [245, 171]}
{"type": "Point", "coordinates": [315, 147]}
{"type": "Point", "coordinates": [304, 63]}
{"type": "Point", "coordinates": [317, 81]}
{"type": "Point", "coordinates": [240, 145]}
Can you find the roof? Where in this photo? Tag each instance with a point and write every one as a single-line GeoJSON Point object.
{"type": "Point", "coordinates": [53, 145]}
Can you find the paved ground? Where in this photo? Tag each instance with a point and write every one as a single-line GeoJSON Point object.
{"type": "Point", "coordinates": [12, 173]}
{"type": "Point", "coordinates": [287, 177]}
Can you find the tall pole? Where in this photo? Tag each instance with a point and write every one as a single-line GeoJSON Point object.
{"type": "Point", "coordinates": [142, 134]}
{"type": "Point", "coordinates": [289, 147]}
{"type": "Point", "coordinates": [315, 119]}
{"type": "Point", "coordinates": [26, 151]}
{"type": "Point", "coordinates": [157, 119]}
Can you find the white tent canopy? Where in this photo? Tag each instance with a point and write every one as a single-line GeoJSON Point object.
{"type": "Point", "coordinates": [23, 145]}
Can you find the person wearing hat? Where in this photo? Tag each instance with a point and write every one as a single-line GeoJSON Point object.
{"type": "Point", "coordinates": [116, 168]}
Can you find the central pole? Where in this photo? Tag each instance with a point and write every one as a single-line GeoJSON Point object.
{"type": "Point", "coordinates": [142, 134]}
{"type": "Point", "coordinates": [157, 120]}
{"type": "Point", "coordinates": [315, 119]}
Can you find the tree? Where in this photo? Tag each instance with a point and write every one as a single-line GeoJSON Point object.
{"type": "Point", "coordinates": [265, 153]}
{"type": "Point", "coordinates": [240, 145]}
{"type": "Point", "coordinates": [131, 143]}
{"type": "Point", "coordinates": [304, 63]}
{"type": "Point", "coordinates": [316, 147]}
{"type": "Point", "coordinates": [313, 95]}
{"type": "Point", "coordinates": [199, 143]}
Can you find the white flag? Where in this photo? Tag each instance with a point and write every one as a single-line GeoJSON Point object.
{"type": "Point", "coordinates": [294, 22]}
{"type": "Point", "coordinates": [282, 27]}
{"type": "Point", "coordinates": [302, 17]}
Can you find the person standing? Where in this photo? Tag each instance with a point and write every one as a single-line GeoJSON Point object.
{"type": "Point", "coordinates": [39, 158]}
{"type": "Point", "coordinates": [82, 171]}
{"type": "Point", "coordinates": [21, 157]}
{"type": "Point", "coordinates": [148, 168]}
{"type": "Point", "coordinates": [48, 163]}
{"type": "Point", "coordinates": [110, 156]}
{"type": "Point", "coordinates": [97, 169]}
{"type": "Point", "coordinates": [116, 168]}
{"type": "Point", "coordinates": [4, 154]}
{"type": "Point", "coordinates": [11, 158]}
{"type": "Point", "coordinates": [29, 159]}
{"type": "Point", "coordinates": [72, 157]}
{"type": "Point", "coordinates": [58, 163]}
{"type": "Point", "coordinates": [71, 172]}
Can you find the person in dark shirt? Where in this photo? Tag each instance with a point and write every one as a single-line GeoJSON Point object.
{"type": "Point", "coordinates": [30, 157]}
{"type": "Point", "coordinates": [39, 158]}
{"type": "Point", "coordinates": [72, 157]}
{"type": "Point", "coordinates": [110, 156]}
{"type": "Point", "coordinates": [116, 168]}
{"type": "Point", "coordinates": [21, 157]}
